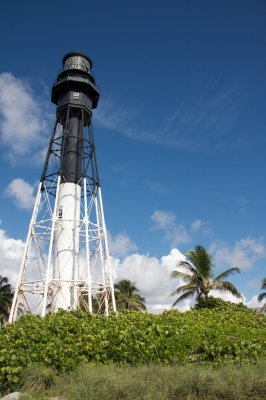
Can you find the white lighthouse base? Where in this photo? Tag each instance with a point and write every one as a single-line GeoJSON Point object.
{"type": "Point", "coordinates": [66, 260]}
{"type": "Point", "coordinates": [66, 247]}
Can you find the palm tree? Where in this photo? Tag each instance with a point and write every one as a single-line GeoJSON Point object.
{"type": "Point", "coordinates": [263, 286]}
{"type": "Point", "coordinates": [127, 297]}
{"type": "Point", "coordinates": [199, 278]}
{"type": "Point", "coordinates": [6, 297]}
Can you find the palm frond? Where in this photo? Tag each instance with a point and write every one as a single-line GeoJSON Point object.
{"type": "Point", "coordinates": [184, 296]}
{"type": "Point", "coordinates": [127, 297]}
{"type": "Point", "coordinates": [3, 280]}
{"type": "Point", "coordinates": [261, 296]}
{"type": "Point", "coordinates": [225, 286]}
{"type": "Point", "coordinates": [198, 275]}
{"type": "Point", "coordinates": [226, 273]}
{"type": "Point", "coordinates": [201, 260]}
{"type": "Point", "coordinates": [6, 297]}
{"type": "Point", "coordinates": [263, 286]}
{"type": "Point", "coordinates": [137, 303]}
{"type": "Point", "coordinates": [184, 288]}
{"type": "Point", "coordinates": [182, 275]}
{"type": "Point", "coordinates": [126, 286]}
{"type": "Point", "coordinates": [187, 265]}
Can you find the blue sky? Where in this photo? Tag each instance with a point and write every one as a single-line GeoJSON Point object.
{"type": "Point", "coordinates": [179, 129]}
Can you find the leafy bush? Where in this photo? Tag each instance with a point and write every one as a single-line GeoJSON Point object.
{"type": "Point", "coordinates": [64, 340]}
{"type": "Point", "coordinates": [214, 302]}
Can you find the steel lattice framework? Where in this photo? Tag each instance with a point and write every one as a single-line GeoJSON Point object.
{"type": "Point", "coordinates": [41, 282]}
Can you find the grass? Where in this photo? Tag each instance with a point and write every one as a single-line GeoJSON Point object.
{"type": "Point", "coordinates": [112, 382]}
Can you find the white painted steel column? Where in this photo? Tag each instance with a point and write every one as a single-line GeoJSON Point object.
{"type": "Point", "coordinates": [66, 264]}
{"type": "Point", "coordinates": [86, 220]}
{"type": "Point", "coordinates": [100, 233]}
{"type": "Point", "coordinates": [47, 278]}
{"type": "Point", "coordinates": [107, 250]}
{"type": "Point", "coordinates": [14, 308]}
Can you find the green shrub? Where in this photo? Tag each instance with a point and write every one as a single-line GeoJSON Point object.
{"type": "Point", "coordinates": [64, 340]}
{"type": "Point", "coordinates": [214, 302]}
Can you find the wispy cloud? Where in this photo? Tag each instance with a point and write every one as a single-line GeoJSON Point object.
{"type": "Point", "coordinates": [112, 116]}
{"type": "Point", "coordinates": [243, 203]}
{"type": "Point", "coordinates": [200, 226]}
{"type": "Point", "coordinates": [156, 187]}
{"type": "Point", "coordinates": [177, 233]}
{"type": "Point", "coordinates": [244, 253]}
{"type": "Point", "coordinates": [174, 233]}
{"type": "Point", "coordinates": [203, 120]}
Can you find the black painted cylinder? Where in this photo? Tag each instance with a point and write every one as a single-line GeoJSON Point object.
{"type": "Point", "coordinates": [72, 149]}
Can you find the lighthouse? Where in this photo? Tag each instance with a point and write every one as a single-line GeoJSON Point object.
{"type": "Point", "coordinates": [66, 261]}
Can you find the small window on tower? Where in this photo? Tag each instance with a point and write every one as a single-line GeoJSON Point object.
{"type": "Point", "coordinates": [75, 95]}
{"type": "Point", "coordinates": [60, 213]}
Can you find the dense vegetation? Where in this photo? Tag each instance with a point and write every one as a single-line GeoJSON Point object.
{"type": "Point", "coordinates": [223, 334]}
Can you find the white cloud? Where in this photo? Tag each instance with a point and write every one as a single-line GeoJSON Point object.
{"type": "Point", "coordinates": [183, 306]}
{"type": "Point", "coordinates": [23, 118]}
{"type": "Point", "coordinates": [243, 254]}
{"type": "Point", "coordinates": [227, 296]}
{"type": "Point", "coordinates": [152, 277]}
{"type": "Point", "coordinates": [174, 233]}
{"type": "Point", "coordinates": [254, 303]}
{"type": "Point", "coordinates": [11, 251]}
{"type": "Point", "coordinates": [121, 245]}
{"type": "Point", "coordinates": [151, 274]}
{"type": "Point", "coordinates": [22, 193]}
{"type": "Point", "coordinates": [163, 219]}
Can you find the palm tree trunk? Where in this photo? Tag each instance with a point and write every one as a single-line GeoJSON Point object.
{"type": "Point", "coordinates": [206, 299]}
